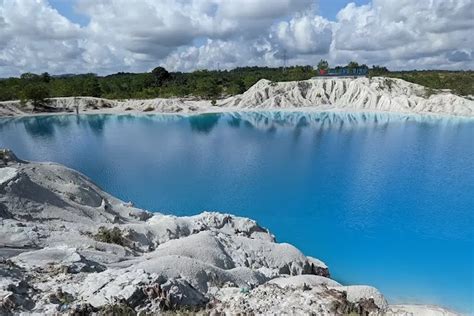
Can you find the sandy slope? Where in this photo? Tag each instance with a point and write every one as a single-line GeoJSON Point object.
{"type": "Point", "coordinates": [378, 94]}
{"type": "Point", "coordinates": [53, 260]}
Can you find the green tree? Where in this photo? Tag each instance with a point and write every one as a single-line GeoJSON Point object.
{"type": "Point", "coordinates": [160, 75]}
{"type": "Point", "coordinates": [208, 88]}
{"type": "Point", "coordinates": [29, 76]}
{"type": "Point", "coordinates": [45, 77]}
{"type": "Point", "coordinates": [236, 87]}
{"type": "Point", "coordinates": [92, 87]}
{"type": "Point", "coordinates": [323, 65]}
{"type": "Point", "coordinates": [36, 93]}
{"type": "Point", "coordinates": [378, 70]}
{"type": "Point", "coordinates": [352, 65]}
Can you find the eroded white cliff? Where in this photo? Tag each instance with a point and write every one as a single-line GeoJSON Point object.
{"type": "Point", "coordinates": [360, 94]}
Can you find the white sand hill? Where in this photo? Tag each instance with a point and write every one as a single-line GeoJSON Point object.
{"type": "Point", "coordinates": [67, 246]}
{"type": "Point", "coordinates": [378, 94]}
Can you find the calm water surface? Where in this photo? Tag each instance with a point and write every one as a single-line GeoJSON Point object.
{"type": "Point", "coordinates": [383, 200]}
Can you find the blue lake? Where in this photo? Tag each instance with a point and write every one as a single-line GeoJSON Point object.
{"type": "Point", "coordinates": [384, 200]}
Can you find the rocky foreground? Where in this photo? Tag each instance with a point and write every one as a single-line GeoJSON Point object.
{"type": "Point", "coordinates": [67, 247]}
{"type": "Point", "coordinates": [378, 94]}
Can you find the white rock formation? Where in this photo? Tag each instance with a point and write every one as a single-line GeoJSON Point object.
{"type": "Point", "coordinates": [7, 174]}
{"type": "Point", "coordinates": [418, 310]}
{"type": "Point", "coordinates": [303, 280]}
{"type": "Point", "coordinates": [377, 94]}
{"type": "Point", "coordinates": [67, 246]}
{"type": "Point", "coordinates": [360, 94]}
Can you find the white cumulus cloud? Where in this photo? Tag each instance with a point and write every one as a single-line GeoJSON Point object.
{"type": "Point", "coordinates": [407, 33]}
{"type": "Point", "coordinates": [137, 35]}
{"type": "Point", "coordinates": [304, 34]}
{"type": "Point", "coordinates": [34, 37]}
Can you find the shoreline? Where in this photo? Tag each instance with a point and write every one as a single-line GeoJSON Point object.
{"type": "Point", "coordinates": [227, 110]}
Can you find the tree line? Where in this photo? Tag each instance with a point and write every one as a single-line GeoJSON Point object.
{"type": "Point", "coordinates": [199, 84]}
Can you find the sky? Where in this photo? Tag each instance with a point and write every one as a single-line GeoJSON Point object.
{"type": "Point", "coordinates": [108, 36]}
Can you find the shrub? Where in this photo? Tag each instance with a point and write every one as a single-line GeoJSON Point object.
{"type": "Point", "coordinates": [110, 236]}
{"type": "Point", "coordinates": [429, 92]}
{"type": "Point", "coordinates": [149, 109]}
{"type": "Point", "coordinates": [117, 309]}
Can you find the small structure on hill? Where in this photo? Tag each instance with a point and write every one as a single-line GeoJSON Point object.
{"type": "Point", "coordinates": [344, 72]}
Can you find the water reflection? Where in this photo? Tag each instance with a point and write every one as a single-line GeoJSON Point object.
{"type": "Point", "coordinates": [44, 126]}
{"type": "Point", "coordinates": [328, 120]}
{"type": "Point", "coordinates": [204, 123]}
{"type": "Point", "coordinates": [234, 122]}
{"type": "Point", "coordinates": [6, 122]}
{"type": "Point", "coordinates": [387, 186]}
{"type": "Point", "coordinates": [95, 122]}
{"type": "Point", "coordinates": [271, 121]}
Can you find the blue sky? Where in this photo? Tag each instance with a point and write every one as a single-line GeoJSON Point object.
{"type": "Point", "coordinates": [103, 37]}
{"type": "Point", "coordinates": [330, 8]}
{"type": "Point", "coordinates": [67, 9]}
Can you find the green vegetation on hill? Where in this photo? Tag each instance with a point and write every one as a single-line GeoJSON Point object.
{"type": "Point", "coordinates": [459, 82]}
{"type": "Point", "coordinates": [201, 83]}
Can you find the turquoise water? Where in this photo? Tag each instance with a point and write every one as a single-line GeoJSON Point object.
{"type": "Point", "coordinates": [383, 200]}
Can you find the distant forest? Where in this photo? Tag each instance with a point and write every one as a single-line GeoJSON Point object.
{"type": "Point", "coordinates": [200, 84]}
